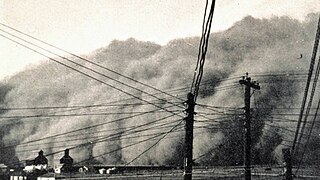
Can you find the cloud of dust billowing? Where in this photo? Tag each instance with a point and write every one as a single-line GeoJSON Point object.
{"type": "Point", "coordinates": [257, 46]}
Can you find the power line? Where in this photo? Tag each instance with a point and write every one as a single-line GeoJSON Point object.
{"type": "Point", "coordinates": [127, 130]}
{"type": "Point", "coordinates": [311, 96]}
{"type": "Point", "coordinates": [193, 94]}
{"type": "Point", "coordinates": [153, 145]}
{"type": "Point", "coordinates": [200, 44]}
{"type": "Point", "coordinates": [220, 107]}
{"type": "Point", "coordinates": [73, 108]}
{"type": "Point", "coordinates": [215, 119]}
{"type": "Point", "coordinates": [202, 51]}
{"type": "Point", "coordinates": [103, 139]}
{"type": "Point", "coordinates": [118, 133]}
{"type": "Point", "coordinates": [276, 108]}
{"type": "Point", "coordinates": [123, 135]}
{"type": "Point", "coordinates": [77, 106]}
{"type": "Point", "coordinates": [48, 116]}
{"type": "Point", "coordinates": [282, 120]}
{"type": "Point", "coordinates": [86, 60]}
{"type": "Point", "coordinates": [76, 115]}
{"type": "Point", "coordinates": [123, 147]}
{"type": "Point", "coordinates": [67, 145]}
{"type": "Point", "coordinates": [218, 110]}
{"type": "Point", "coordinates": [92, 77]}
{"type": "Point", "coordinates": [308, 137]}
{"type": "Point", "coordinates": [286, 74]}
{"type": "Point", "coordinates": [291, 114]}
{"type": "Point", "coordinates": [215, 127]}
{"type": "Point", "coordinates": [80, 65]}
{"type": "Point", "coordinates": [315, 49]}
{"type": "Point", "coordinates": [206, 153]}
{"type": "Point", "coordinates": [77, 65]}
{"type": "Point", "coordinates": [81, 129]}
{"type": "Point", "coordinates": [216, 114]}
{"type": "Point", "coordinates": [283, 128]}
{"type": "Point", "coordinates": [131, 127]}
{"type": "Point", "coordinates": [113, 139]}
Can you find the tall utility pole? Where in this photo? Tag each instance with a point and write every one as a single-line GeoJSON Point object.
{"type": "Point", "coordinates": [247, 127]}
{"type": "Point", "coordinates": [288, 165]}
{"type": "Point", "coordinates": [188, 162]}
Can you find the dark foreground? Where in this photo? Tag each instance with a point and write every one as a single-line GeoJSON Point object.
{"type": "Point", "coordinates": [228, 173]}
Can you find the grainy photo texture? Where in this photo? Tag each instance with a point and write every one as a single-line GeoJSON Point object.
{"type": "Point", "coordinates": [140, 89]}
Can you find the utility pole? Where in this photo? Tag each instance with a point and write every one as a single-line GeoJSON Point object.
{"type": "Point", "coordinates": [288, 164]}
{"type": "Point", "coordinates": [188, 162]}
{"type": "Point", "coordinates": [247, 127]}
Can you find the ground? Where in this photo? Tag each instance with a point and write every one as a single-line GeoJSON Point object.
{"type": "Point", "coordinates": [227, 173]}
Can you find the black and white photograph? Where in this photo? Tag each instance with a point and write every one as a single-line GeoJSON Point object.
{"type": "Point", "coordinates": [159, 89]}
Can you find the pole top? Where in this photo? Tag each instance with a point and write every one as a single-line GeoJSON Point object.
{"type": "Point", "coordinates": [190, 96]}
{"type": "Point", "coordinates": [247, 81]}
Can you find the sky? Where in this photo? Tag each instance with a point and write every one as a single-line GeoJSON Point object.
{"type": "Point", "coordinates": [81, 26]}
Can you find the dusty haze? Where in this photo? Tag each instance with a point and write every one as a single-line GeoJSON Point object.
{"type": "Point", "coordinates": [257, 46]}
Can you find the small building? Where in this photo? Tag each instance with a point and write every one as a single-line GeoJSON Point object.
{"type": "Point", "coordinates": [40, 159]}
{"type": "Point", "coordinates": [67, 162]}
{"type": "Point", "coordinates": [39, 165]}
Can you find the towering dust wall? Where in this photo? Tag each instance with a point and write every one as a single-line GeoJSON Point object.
{"type": "Point", "coordinates": [257, 46]}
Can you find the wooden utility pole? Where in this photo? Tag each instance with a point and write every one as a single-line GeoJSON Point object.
{"type": "Point", "coordinates": [247, 127]}
{"type": "Point", "coordinates": [288, 164]}
{"type": "Point", "coordinates": [188, 162]}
